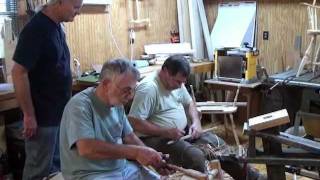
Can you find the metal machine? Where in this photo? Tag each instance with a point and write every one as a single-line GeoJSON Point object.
{"type": "Point", "coordinates": [238, 65]}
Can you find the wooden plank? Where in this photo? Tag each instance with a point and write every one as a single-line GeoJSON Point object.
{"type": "Point", "coordinates": [205, 29]}
{"type": "Point", "coordinates": [214, 81]}
{"type": "Point", "coordinates": [180, 20]}
{"type": "Point", "coordinates": [217, 109]}
{"type": "Point", "coordinates": [184, 21]}
{"type": "Point", "coordinates": [196, 33]}
{"type": "Point", "coordinates": [213, 103]}
{"type": "Point", "coordinates": [269, 120]}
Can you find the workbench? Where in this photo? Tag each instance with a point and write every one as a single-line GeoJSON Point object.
{"type": "Point", "coordinates": [249, 91]}
{"type": "Point", "coordinates": [7, 102]}
{"type": "Point", "coordinates": [196, 68]}
{"type": "Point", "coordinates": [305, 80]}
{"type": "Point", "coordinates": [309, 88]}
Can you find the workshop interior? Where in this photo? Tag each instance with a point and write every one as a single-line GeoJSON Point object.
{"type": "Point", "coordinates": [255, 74]}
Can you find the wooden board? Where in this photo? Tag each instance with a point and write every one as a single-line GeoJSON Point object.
{"type": "Point", "coordinates": [217, 109]}
{"type": "Point", "coordinates": [213, 103]}
{"type": "Point", "coordinates": [269, 120]}
{"type": "Point", "coordinates": [196, 32]}
{"type": "Point", "coordinates": [205, 29]}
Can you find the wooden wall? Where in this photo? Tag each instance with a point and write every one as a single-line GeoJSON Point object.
{"type": "Point", "coordinates": [89, 36]}
{"type": "Point", "coordinates": [285, 20]}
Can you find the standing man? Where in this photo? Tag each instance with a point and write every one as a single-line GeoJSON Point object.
{"type": "Point", "coordinates": [160, 117]}
{"type": "Point", "coordinates": [96, 138]}
{"type": "Point", "coordinates": [42, 80]}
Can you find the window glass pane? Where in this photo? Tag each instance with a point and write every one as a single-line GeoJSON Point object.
{"type": "Point", "coordinates": [8, 9]}
{"type": "Point", "coordinates": [3, 6]}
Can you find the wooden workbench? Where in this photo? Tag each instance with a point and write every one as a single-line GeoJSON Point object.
{"type": "Point", "coordinates": [7, 101]}
{"type": "Point", "coordinates": [201, 67]}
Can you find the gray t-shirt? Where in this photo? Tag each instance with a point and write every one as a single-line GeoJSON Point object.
{"type": "Point", "coordinates": [86, 117]}
{"type": "Point", "coordinates": [156, 104]}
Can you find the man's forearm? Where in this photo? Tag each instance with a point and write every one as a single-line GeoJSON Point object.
{"type": "Point", "coordinates": [193, 113]}
{"type": "Point", "coordinates": [22, 91]}
{"type": "Point", "coordinates": [133, 140]}
{"type": "Point", "coordinates": [97, 149]}
{"type": "Point", "coordinates": [146, 127]}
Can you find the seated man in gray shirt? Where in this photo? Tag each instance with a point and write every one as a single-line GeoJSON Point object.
{"type": "Point", "coordinates": [158, 114]}
{"type": "Point", "coordinates": [96, 138]}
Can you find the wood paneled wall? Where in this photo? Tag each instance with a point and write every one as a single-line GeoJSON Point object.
{"type": "Point", "coordinates": [284, 20]}
{"type": "Point", "coordinates": [90, 41]}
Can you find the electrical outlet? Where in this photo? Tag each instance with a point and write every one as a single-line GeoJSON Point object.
{"type": "Point", "coordinates": [265, 35]}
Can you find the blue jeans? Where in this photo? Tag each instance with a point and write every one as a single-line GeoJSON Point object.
{"type": "Point", "coordinates": [132, 171]}
{"type": "Point", "coordinates": [42, 154]}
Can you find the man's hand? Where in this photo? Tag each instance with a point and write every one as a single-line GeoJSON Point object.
{"type": "Point", "coordinates": [148, 156]}
{"type": "Point", "coordinates": [164, 170]}
{"type": "Point", "coordinates": [195, 130]}
{"type": "Point", "coordinates": [173, 133]}
{"type": "Point", "coordinates": [29, 126]}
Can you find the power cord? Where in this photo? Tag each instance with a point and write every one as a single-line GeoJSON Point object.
{"type": "Point", "coordinates": [112, 35]}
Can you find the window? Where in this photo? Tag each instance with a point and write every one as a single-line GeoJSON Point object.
{"type": "Point", "coordinates": [8, 10]}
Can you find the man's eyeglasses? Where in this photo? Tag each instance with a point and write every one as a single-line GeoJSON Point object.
{"type": "Point", "coordinates": [126, 90]}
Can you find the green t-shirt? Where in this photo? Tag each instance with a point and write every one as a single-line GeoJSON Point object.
{"type": "Point", "coordinates": [156, 104]}
{"type": "Point", "coordinates": [85, 116]}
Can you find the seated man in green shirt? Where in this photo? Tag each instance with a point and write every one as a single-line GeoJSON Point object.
{"type": "Point", "coordinates": [96, 138]}
{"type": "Point", "coordinates": [158, 114]}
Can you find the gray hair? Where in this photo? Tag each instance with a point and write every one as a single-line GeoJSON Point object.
{"type": "Point", "coordinates": [48, 3]}
{"type": "Point", "coordinates": [116, 67]}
